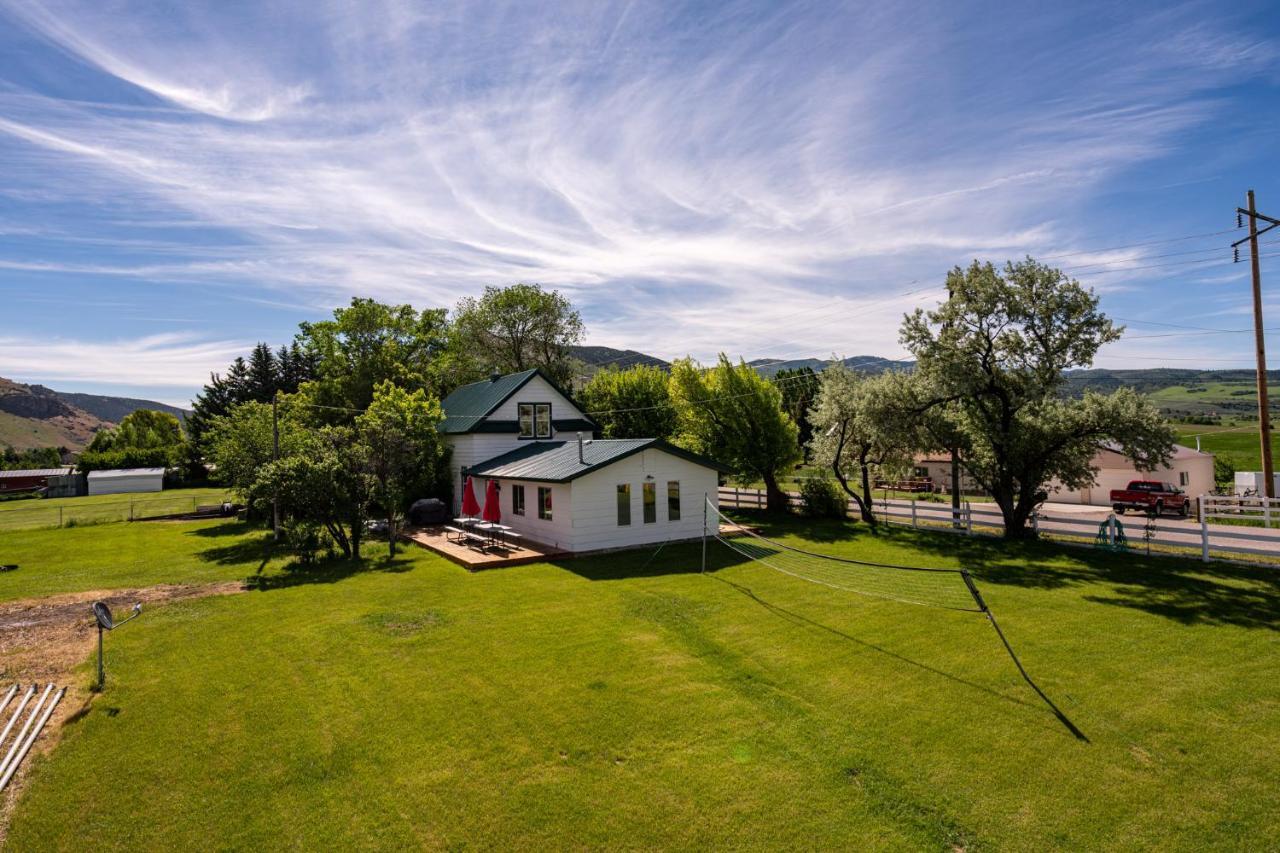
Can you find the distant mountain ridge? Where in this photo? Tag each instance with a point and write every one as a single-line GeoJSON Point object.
{"type": "Point", "coordinates": [36, 416]}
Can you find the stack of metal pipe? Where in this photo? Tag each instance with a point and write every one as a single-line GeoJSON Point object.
{"type": "Point", "coordinates": [23, 722]}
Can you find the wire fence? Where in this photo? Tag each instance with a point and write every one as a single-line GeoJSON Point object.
{"type": "Point", "coordinates": [74, 514]}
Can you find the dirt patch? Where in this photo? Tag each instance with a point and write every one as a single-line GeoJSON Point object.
{"type": "Point", "coordinates": [45, 640]}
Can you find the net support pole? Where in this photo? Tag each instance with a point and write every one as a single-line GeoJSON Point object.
{"type": "Point", "coordinates": [706, 502]}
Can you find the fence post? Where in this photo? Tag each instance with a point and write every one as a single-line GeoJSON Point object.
{"type": "Point", "coordinates": [1111, 529]}
{"type": "Point", "coordinates": [736, 503]}
{"type": "Point", "coordinates": [968, 517]}
{"type": "Point", "coordinates": [59, 516]}
{"type": "Point", "coordinates": [1204, 539]}
{"type": "Point", "coordinates": [1266, 511]}
{"type": "Point", "coordinates": [131, 509]}
{"type": "Point", "coordinates": [913, 513]}
{"type": "Point", "coordinates": [1200, 507]}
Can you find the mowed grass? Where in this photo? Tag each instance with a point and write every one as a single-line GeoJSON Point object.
{"type": "Point", "coordinates": [129, 555]}
{"type": "Point", "coordinates": [102, 509]}
{"type": "Point", "coordinates": [629, 701]}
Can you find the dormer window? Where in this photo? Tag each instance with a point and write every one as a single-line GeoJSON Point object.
{"type": "Point", "coordinates": [535, 420]}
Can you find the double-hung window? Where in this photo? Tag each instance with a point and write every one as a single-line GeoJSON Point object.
{"type": "Point", "coordinates": [624, 504]}
{"type": "Point", "coordinates": [673, 500]}
{"type": "Point", "coordinates": [534, 419]}
{"type": "Point", "coordinates": [517, 500]}
{"type": "Point", "coordinates": [544, 503]}
{"type": "Point", "coordinates": [650, 493]}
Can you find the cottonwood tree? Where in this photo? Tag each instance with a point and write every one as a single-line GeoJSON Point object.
{"type": "Point", "coordinates": [510, 329]}
{"type": "Point", "coordinates": [734, 415]}
{"type": "Point", "coordinates": [144, 438]}
{"type": "Point", "coordinates": [863, 425]}
{"type": "Point", "coordinates": [366, 343]}
{"type": "Point", "coordinates": [993, 358]}
{"type": "Point", "coordinates": [631, 403]}
{"type": "Point", "coordinates": [403, 449]}
{"type": "Point", "coordinates": [241, 443]}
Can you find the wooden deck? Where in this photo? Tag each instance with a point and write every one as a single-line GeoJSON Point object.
{"type": "Point", "coordinates": [472, 558]}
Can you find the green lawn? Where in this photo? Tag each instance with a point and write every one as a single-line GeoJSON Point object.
{"type": "Point", "coordinates": [99, 509]}
{"type": "Point", "coordinates": [624, 701]}
{"type": "Point", "coordinates": [122, 556]}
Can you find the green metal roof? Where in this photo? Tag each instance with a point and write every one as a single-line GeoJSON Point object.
{"type": "Point", "coordinates": [557, 461]}
{"type": "Point", "coordinates": [469, 405]}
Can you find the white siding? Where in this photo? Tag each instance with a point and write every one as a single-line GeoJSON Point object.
{"type": "Point", "coordinates": [537, 390]}
{"type": "Point", "coordinates": [557, 533]}
{"type": "Point", "coordinates": [595, 501]}
{"type": "Point", "coordinates": [473, 448]}
{"type": "Point", "coordinates": [125, 485]}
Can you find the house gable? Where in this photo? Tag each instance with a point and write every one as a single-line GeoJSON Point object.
{"type": "Point", "coordinates": [493, 406]}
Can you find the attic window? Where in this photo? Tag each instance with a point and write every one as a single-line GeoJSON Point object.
{"type": "Point", "coordinates": [535, 420]}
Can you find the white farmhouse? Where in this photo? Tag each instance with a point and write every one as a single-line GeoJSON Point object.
{"type": "Point", "coordinates": [558, 485]}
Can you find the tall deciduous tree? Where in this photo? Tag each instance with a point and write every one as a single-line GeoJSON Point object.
{"type": "Point", "coordinates": [509, 329]}
{"type": "Point", "coordinates": [631, 403]}
{"type": "Point", "coordinates": [404, 452]}
{"type": "Point", "coordinates": [994, 355]}
{"type": "Point", "coordinates": [144, 438]}
{"type": "Point", "coordinates": [365, 344]}
{"type": "Point", "coordinates": [733, 414]}
{"type": "Point", "coordinates": [799, 387]}
{"type": "Point", "coordinates": [864, 425]}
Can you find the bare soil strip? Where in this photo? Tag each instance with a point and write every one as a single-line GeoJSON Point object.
{"type": "Point", "coordinates": [45, 640]}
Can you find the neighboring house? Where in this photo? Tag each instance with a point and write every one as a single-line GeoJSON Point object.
{"type": "Point", "coordinates": [560, 487]}
{"type": "Point", "coordinates": [126, 481]}
{"type": "Point", "coordinates": [936, 467]}
{"type": "Point", "coordinates": [60, 482]}
{"type": "Point", "coordinates": [1189, 470]}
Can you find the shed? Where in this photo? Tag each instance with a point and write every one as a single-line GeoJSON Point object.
{"type": "Point", "coordinates": [33, 478]}
{"type": "Point", "coordinates": [126, 480]}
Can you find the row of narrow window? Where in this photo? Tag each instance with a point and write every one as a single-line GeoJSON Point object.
{"type": "Point", "coordinates": [648, 502]}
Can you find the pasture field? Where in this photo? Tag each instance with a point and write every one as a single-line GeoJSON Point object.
{"type": "Point", "coordinates": [101, 509]}
{"type": "Point", "coordinates": [627, 700]}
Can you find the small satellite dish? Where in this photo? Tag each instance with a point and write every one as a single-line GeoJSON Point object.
{"type": "Point", "coordinates": [103, 614]}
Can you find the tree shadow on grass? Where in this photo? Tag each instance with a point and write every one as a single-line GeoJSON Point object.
{"type": "Point", "coordinates": [229, 527]}
{"type": "Point", "coordinates": [680, 558]}
{"type": "Point", "coordinates": [1187, 591]}
{"type": "Point", "coordinates": [325, 571]}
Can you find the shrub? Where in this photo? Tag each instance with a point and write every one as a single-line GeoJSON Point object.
{"type": "Point", "coordinates": [821, 497]}
{"type": "Point", "coordinates": [308, 541]}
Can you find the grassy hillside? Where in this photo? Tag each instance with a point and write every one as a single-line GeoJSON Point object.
{"type": "Point", "coordinates": [25, 433]}
{"type": "Point", "coordinates": [1238, 444]}
{"type": "Point", "coordinates": [628, 701]}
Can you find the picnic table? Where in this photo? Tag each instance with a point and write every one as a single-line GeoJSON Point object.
{"type": "Point", "coordinates": [483, 534]}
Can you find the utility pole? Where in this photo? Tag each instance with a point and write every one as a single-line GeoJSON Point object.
{"type": "Point", "coordinates": [275, 455]}
{"type": "Point", "coordinates": [1264, 406]}
{"type": "Point", "coordinates": [955, 465]}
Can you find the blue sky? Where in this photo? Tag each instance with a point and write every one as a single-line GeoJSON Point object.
{"type": "Point", "coordinates": [178, 181]}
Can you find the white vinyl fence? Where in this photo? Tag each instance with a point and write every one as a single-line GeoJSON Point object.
{"type": "Point", "coordinates": [1136, 532]}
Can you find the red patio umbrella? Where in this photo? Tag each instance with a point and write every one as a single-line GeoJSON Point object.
{"type": "Point", "coordinates": [492, 512]}
{"type": "Point", "coordinates": [469, 505]}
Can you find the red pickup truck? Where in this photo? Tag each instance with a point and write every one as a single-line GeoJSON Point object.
{"type": "Point", "coordinates": [1151, 496]}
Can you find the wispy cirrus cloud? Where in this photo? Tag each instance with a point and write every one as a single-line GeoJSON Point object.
{"type": "Point", "coordinates": [680, 171]}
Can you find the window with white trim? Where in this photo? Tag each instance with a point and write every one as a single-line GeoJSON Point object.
{"type": "Point", "coordinates": [650, 494]}
{"type": "Point", "coordinates": [544, 503]}
{"type": "Point", "coordinates": [517, 500]}
{"type": "Point", "coordinates": [526, 419]}
{"type": "Point", "coordinates": [673, 500]}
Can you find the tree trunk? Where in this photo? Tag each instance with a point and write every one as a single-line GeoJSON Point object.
{"type": "Point", "coordinates": [1015, 512]}
{"type": "Point", "coordinates": [775, 499]}
{"type": "Point", "coordinates": [867, 500]}
{"type": "Point", "coordinates": [864, 506]}
{"type": "Point", "coordinates": [391, 533]}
